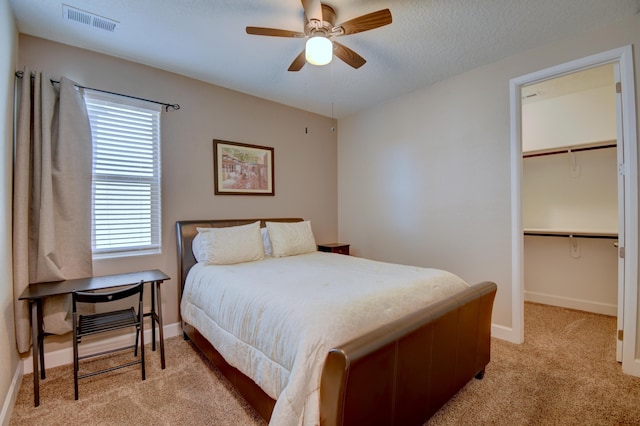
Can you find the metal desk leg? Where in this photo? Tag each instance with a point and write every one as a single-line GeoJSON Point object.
{"type": "Point", "coordinates": [157, 284]}
{"type": "Point", "coordinates": [35, 348]}
{"type": "Point", "coordinates": [41, 338]}
{"type": "Point", "coordinates": [153, 316]}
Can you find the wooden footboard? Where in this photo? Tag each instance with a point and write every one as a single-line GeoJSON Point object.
{"type": "Point", "coordinates": [402, 373]}
{"type": "Point", "coordinates": [399, 374]}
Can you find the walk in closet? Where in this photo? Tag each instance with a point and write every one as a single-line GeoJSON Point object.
{"type": "Point", "coordinates": [570, 191]}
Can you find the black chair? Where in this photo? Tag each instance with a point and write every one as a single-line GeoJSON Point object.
{"type": "Point", "coordinates": [85, 325]}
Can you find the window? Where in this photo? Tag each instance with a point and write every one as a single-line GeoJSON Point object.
{"type": "Point", "coordinates": [126, 175]}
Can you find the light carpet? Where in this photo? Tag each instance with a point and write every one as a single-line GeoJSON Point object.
{"type": "Point", "coordinates": [564, 374]}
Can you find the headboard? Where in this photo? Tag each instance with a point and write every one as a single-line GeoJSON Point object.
{"type": "Point", "coordinates": [186, 230]}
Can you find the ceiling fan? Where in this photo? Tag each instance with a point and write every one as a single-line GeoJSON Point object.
{"type": "Point", "coordinates": [320, 27]}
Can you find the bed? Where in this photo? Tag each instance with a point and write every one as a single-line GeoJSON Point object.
{"type": "Point", "coordinates": [395, 366]}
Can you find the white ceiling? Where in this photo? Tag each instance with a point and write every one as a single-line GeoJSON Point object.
{"type": "Point", "coordinates": [580, 81]}
{"type": "Point", "coordinates": [429, 40]}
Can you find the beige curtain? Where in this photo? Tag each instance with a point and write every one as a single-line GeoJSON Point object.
{"type": "Point", "coordinates": [51, 196]}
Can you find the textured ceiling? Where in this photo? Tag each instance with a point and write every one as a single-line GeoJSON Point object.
{"type": "Point", "coordinates": [429, 40]}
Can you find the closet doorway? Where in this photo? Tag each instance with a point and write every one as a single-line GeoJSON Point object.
{"type": "Point", "coordinates": [617, 219]}
{"type": "Point", "coordinates": [570, 192]}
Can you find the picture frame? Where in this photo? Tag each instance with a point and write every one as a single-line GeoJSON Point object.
{"type": "Point", "coordinates": [242, 169]}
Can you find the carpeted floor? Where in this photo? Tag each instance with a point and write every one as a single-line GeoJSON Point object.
{"type": "Point", "coordinates": [564, 374]}
{"type": "Point", "coordinates": [188, 391]}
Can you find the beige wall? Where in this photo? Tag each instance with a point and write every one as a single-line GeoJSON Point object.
{"type": "Point", "coordinates": [576, 119]}
{"type": "Point", "coordinates": [578, 274]}
{"type": "Point", "coordinates": [305, 163]}
{"type": "Point", "coordinates": [9, 359]}
{"type": "Point", "coordinates": [558, 196]}
{"type": "Point", "coordinates": [432, 169]}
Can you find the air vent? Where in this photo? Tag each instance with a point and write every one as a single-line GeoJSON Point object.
{"type": "Point", "coordinates": [70, 13]}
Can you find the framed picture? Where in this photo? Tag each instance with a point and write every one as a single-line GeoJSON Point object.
{"type": "Point", "coordinates": [242, 169]}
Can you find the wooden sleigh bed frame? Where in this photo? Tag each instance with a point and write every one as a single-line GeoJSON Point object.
{"type": "Point", "coordinates": [398, 374]}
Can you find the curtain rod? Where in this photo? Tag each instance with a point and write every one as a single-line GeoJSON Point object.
{"type": "Point", "coordinates": [174, 107]}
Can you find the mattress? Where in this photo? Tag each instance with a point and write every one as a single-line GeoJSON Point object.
{"type": "Point", "coordinates": [276, 319]}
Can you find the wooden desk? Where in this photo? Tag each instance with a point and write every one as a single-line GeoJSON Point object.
{"type": "Point", "coordinates": [36, 293]}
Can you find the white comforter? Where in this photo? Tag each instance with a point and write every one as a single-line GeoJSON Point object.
{"type": "Point", "coordinates": [276, 319]}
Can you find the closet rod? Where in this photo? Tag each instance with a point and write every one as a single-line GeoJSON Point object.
{"type": "Point", "coordinates": [174, 107]}
{"type": "Point", "coordinates": [566, 150]}
{"type": "Point", "coordinates": [568, 235]}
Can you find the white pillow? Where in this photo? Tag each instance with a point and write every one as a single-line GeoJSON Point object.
{"type": "Point", "coordinates": [291, 238]}
{"type": "Point", "coordinates": [196, 246]}
{"type": "Point", "coordinates": [268, 250]}
{"type": "Point", "coordinates": [230, 245]}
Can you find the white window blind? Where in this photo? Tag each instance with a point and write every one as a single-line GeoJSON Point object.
{"type": "Point", "coordinates": [126, 175]}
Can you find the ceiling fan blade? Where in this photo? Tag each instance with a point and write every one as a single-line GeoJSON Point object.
{"type": "Point", "coordinates": [348, 55]}
{"type": "Point", "coordinates": [274, 32]}
{"type": "Point", "coordinates": [367, 22]}
{"type": "Point", "coordinates": [312, 9]}
{"type": "Point", "coordinates": [298, 62]}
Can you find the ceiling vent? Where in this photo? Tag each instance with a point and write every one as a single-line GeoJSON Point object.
{"type": "Point", "coordinates": [77, 15]}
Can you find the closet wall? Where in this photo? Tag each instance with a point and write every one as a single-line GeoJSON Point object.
{"type": "Point", "coordinates": [570, 213]}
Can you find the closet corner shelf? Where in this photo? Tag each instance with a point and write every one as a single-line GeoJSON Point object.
{"type": "Point", "coordinates": [569, 233]}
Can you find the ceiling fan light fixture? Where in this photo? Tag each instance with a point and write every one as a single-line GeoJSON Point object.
{"type": "Point", "coordinates": [318, 50]}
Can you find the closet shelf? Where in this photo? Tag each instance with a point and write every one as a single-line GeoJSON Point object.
{"type": "Point", "coordinates": [548, 232]}
{"type": "Point", "coordinates": [569, 149]}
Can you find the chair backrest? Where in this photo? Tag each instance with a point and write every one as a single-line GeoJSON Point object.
{"type": "Point", "coordinates": [102, 297]}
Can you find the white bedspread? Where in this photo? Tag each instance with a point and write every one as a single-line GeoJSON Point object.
{"type": "Point", "coordinates": [276, 319]}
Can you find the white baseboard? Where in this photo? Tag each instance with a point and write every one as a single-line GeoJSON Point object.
{"type": "Point", "coordinates": [503, 333]}
{"type": "Point", "coordinates": [10, 399]}
{"type": "Point", "coordinates": [632, 369]}
{"type": "Point", "coordinates": [65, 356]}
{"type": "Point", "coordinates": [571, 303]}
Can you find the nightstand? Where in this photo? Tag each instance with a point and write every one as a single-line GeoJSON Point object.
{"type": "Point", "coordinates": [339, 248]}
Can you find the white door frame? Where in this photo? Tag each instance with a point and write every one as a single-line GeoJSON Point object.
{"type": "Point", "coordinates": [620, 184]}
{"type": "Point", "coordinates": [623, 56]}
